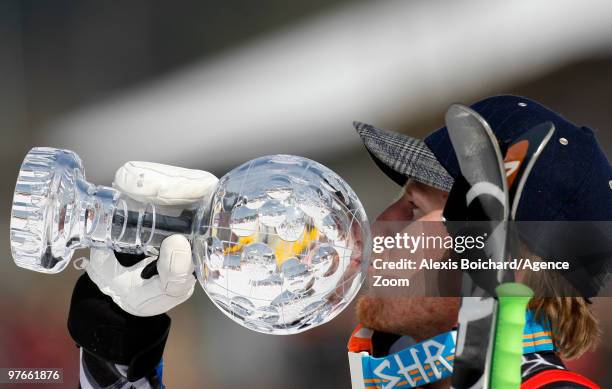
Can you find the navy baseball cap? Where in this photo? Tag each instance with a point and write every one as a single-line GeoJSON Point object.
{"type": "Point", "coordinates": [571, 180]}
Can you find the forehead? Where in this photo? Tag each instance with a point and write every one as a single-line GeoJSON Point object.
{"type": "Point", "coordinates": [413, 187]}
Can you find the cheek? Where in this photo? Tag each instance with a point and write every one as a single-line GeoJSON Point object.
{"type": "Point", "coordinates": [433, 201]}
{"type": "Point", "coordinates": [418, 214]}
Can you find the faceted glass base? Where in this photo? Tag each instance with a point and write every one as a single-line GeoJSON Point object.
{"type": "Point", "coordinates": [43, 208]}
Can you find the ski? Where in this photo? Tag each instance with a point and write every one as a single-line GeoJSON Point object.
{"type": "Point", "coordinates": [481, 164]}
{"type": "Point", "coordinates": [496, 185]}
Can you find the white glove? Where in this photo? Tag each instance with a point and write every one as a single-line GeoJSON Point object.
{"type": "Point", "coordinates": [161, 185]}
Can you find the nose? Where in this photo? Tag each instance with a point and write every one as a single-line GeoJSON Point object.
{"type": "Point", "coordinates": [389, 223]}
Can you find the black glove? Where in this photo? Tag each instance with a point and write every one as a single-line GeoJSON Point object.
{"type": "Point", "coordinates": [106, 333]}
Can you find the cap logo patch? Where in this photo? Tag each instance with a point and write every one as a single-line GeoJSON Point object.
{"type": "Point", "coordinates": [514, 157]}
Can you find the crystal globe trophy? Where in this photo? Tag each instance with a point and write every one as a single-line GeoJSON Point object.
{"type": "Point", "coordinates": [281, 246]}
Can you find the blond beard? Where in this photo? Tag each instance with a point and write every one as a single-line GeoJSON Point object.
{"type": "Point", "coordinates": [418, 317]}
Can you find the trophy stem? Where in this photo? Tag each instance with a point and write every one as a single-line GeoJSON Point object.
{"type": "Point", "coordinates": [116, 221]}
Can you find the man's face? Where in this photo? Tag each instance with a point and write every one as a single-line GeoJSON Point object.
{"type": "Point", "coordinates": [419, 317]}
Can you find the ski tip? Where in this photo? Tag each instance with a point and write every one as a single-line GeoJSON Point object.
{"type": "Point", "coordinates": [457, 110]}
{"type": "Point", "coordinates": [462, 114]}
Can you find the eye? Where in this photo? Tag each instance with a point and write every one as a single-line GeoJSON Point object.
{"type": "Point", "coordinates": [417, 212]}
{"type": "Point", "coordinates": [413, 206]}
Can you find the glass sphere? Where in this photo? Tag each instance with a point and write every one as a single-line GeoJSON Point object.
{"type": "Point", "coordinates": [284, 246]}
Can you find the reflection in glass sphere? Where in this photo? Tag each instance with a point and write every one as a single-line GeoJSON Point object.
{"type": "Point", "coordinates": [214, 253]}
{"type": "Point", "coordinates": [272, 213]}
{"type": "Point", "coordinates": [283, 244]}
{"type": "Point", "coordinates": [258, 261]}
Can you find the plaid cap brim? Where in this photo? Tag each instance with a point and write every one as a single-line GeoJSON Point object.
{"type": "Point", "coordinates": [401, 157]}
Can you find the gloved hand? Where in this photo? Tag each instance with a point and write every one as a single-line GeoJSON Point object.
{"type": "Point", "coordinates": [117, 312]}
{"type": "Point", "coordinates": [147, 294]}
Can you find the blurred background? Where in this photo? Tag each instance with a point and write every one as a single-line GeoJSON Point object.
{"type": "Point", "coordinates": [210, 85]}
